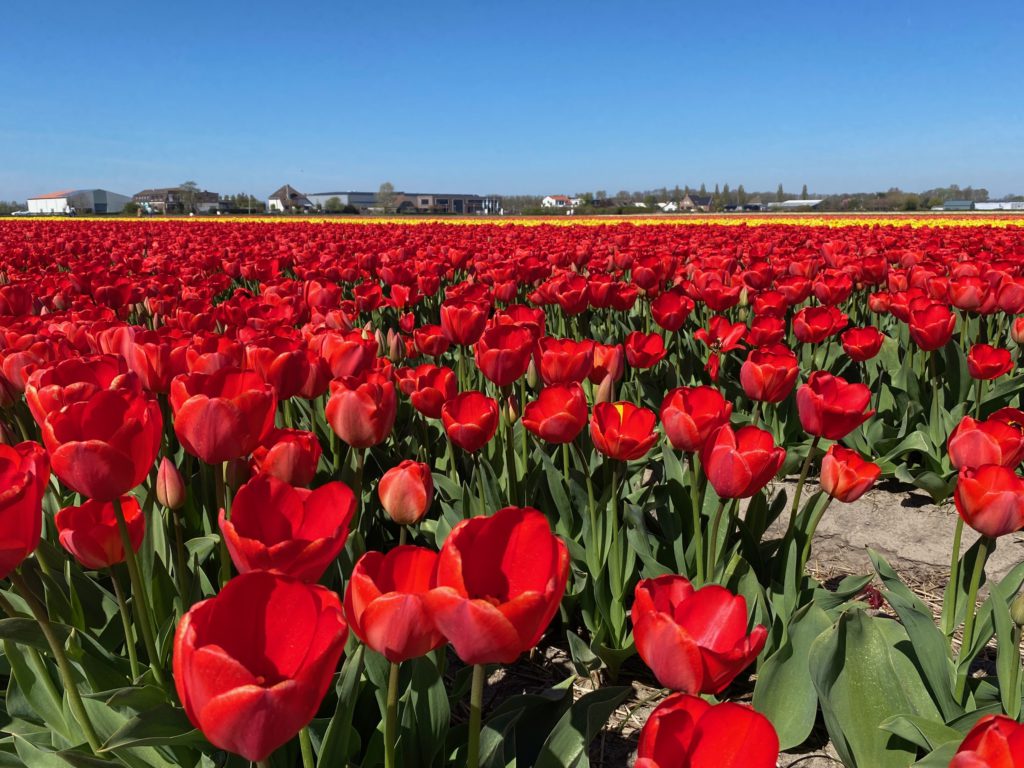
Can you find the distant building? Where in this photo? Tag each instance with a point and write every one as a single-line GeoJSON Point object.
{"type": "Point", "coordinates": [78, 201]}
{"type": "Point", "coordinates": [958, 205]}
{"type": "Point", "coordinates": [176, 200]}
{"type": "Point", "coordinates": [795, 205]}
{"type": "Point", "coordinates": [360, 200]}
{"type": "Point", "coordinates": [692, 202]}
{"type": "Point", "coordinates": [1003, 206]}
{"type": "Point", "coordinates": [669, 207]}
{"type": "Point", "coordinates": [560, 201]}
{"type": "Point", "coordinates": [287, 198]}
{"type": "Point", "coordinates": [429, 202]}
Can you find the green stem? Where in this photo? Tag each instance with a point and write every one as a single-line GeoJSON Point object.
{"type": "Point", "coordinates": [357, 484]}
{"type": "Point", "coordinates": [713, 542]}
{"type": "Point", "coordinates": [949, 611]}
{"type": "Point", "coordinates": [698, 523]}
{"type": "Point", "coordinates": [403, 534]}
{"type": "Point", "coordinates": [179, 557]}
{"type": "Point", "coordinates": [220, 501]}
{"type": "Point", "coordinates": [476, 700]}
{"type": "Point", "coordinates": [963, 661]}
{"type": "Point", "coordinates": [126, 622]}
{"type": "Point", "coordinates": [306, 746]}
{"type": "Point", "coordinates": [481, 490]}
{"type": "Point", "coordinates": [510, 447]}
{"type": "Point", "coordinates": [591, 506]}
{"type": "Point", "coordinates": [756, 416]}
{"type": "Point", "coordinates": [565, 463]}
{"type": "Point", "coordinates": [979, 385]}
{"type": "Point", "coordinates": [803, 479]}
{"type": "Point", "coordinates": [391, 718]}
{"type": "Point", "coordinates": [139, 594]}
{"type": "Point", "coordinates": [66, 672]}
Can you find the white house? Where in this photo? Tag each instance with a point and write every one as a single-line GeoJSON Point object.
{"type": "Point", "coordinates": [794, 205]}
{"type": "Point", "coordinates": [670, 207]}
{"type": "Point", "coordinates": [1001, 206]}
{"type": "Point", "coordinates": [79, 201]}
{"type": "Point", "coordinates": [560, 201]}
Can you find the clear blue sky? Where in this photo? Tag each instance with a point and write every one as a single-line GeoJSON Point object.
{"type": "Point", "coordinates": [511, 97]}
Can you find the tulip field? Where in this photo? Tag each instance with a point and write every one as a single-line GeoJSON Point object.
{"type": "Point", "coordinates": [296, 493]}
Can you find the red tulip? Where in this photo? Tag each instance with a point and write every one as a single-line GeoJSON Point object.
{"type": "Point", "coordinates": [985, 362]}
{"type": "Point", "coordinates": [429, 387]}
{"type": "Point", "coordinates": [862, 343]}
{"type": "Point", "coordinates": [291, 531]}
{"type": "Point", "coordinates": [24, 475]}
{"type": "Point", "coordinates": [51, 388]}
{"type": "Point", "coordinates": [644, 350]}
{"type": "Point", "coordinates": [990, 499]}
{"type": "Point", "coordinates": [503, 353]}
{"type": "Point", "coordinates": [766, 330]}
{"type": "Point", "coordinates": [170, 487]}
{"type": "Point", "coordinates": [462, 322]}
{"type": "Point", "coordinates": [222, 415]}
{"type": "Point", "coordinates": [739, 464]}
{"type": "Point", "coordinates": [690, 414]}
{"type": "Point", "coordinates": [500, 580]}
{"type": "Point", "coordinates": [386, 602]}
{"type": "Point", "coordinates": [769, 373]}
{"type": "Point", "coordinates": [687, 732]}
{"type": "Point", "coordinates": [1017, 330]}
{"type": "Point", "coordinates": [430, 340]}
{"type": "Point", "coordinates": [558, 414]}
{"type": "Point", "coordinates": [931, 326]}
{"type": "Point", "coordinates": [564, 361]}
{"type": "Point", "coordinates": [347, 354]}
{"type": "Point", "coordinates": [995, 741]}
{"type": "Point", "coordinates": [830, 407]}
{"type": "Point", "coordinates": [362, 411]}
{"type": "Point", "coordinates": [288, 366]}
{"type": "Point", "coordinates": [290, 455]}
{"type": "Point", "coordinates": [812, 325]}
{"type": "Point", "coordinates": [470, 420]}
{"type": "Point", "coordinates": [91, 534]}
{"type": "Point", "coordinates": [406, 491]}
{"type": "Point", "coordinates": [993, 441]}
{"type": "Point", "coordinates": [845, 476]}
{"type": "Point", "coordinates": [252, 664]}
{"type": "Point", "coordinates": [694, 640]}
{"type": "Point", "coordinates": [670, 309]}
{"type": "Point", "coordinates": [623, 431]}
{"type": "Point", "coordinates": [105, 445]}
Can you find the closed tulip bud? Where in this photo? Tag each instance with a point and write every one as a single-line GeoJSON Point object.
{"type": "Point", "coordinates": [1017, 330]}
{"type": "Point", "coordinates": [605, 391]}
{"type": "Point", "coordinates": [532, 377]}
{"type": "Point", "coordinates": [382, 342]}
{"type": "Point", "coordinates": [1017, 610]}
{"type": "Point", "coordinates": [170, 488]}
{"type": "Point", "coordinates": [406, 491]}
{"type": "Point", "coordinates": [396, 348]}
{"type": "Point", "coordinates": [512, 409]}
{"type": "Point", "coordinates": [744, 297]}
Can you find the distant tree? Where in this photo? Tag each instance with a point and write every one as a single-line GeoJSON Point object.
{"type": "Point", "coordinates": [587, 198]}
{"type": "Point", "coordinates": [718, 191]}
{"type": "Point", "coordinates": [623, 196]}
{"type": "Point", "coordinates": [189, 193]}
{"type": "Point", "coordinates": [677, 194]}
{"type": "Point", "coordinates": [741, 196]}
{"type": "Point", "coordinates": [131, 208]}
{"type": "Point", "coordinates": [803, 193]}
{"type": "Point", "coordinates": [780, 195]}
{"type": "Point", "coordinates": [333, 205]}
{"type": "Point", "coordinates": [726, 195]}
{"type": "Point", "coordinates": [651, 201]}
{"type": "Point", "coordinates": [386, 196]}
{"type": "Point", "coordinates": [703, 190]}
{"type": "Point", "coordinates": [9, 207]}
{"type": "Point", "coordinates": [601, 195]}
